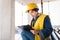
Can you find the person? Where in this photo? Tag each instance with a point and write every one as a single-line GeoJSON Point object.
{"type": "Point", "coordinates": [40, 23]}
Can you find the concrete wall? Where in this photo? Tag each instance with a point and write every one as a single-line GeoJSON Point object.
{"type": "Point", "coordinates": [54, 12]}
{"type": "Point", "coordinates": [6, 19]}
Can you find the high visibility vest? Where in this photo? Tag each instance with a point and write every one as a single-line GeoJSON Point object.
{"type": "Point", "coordinates": [39, 25]}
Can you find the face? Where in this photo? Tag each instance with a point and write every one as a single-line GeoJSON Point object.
{"type": "Point", "coordinates": [33, 13]}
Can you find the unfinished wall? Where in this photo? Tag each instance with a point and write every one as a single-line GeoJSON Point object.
{"type": "Point", "coordinates": [6, 19]}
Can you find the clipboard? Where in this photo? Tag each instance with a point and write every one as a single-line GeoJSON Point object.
{"type": "Point", "coordinates": [26, 27]}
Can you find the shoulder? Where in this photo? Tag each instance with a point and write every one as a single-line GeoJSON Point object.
{"type": "Point", "coordinates": [46, 16]}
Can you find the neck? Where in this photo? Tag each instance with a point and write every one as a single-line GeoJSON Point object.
{"type": "Point", "coordinates": [36, 15]}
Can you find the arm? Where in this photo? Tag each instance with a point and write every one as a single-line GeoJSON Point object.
{"type": "Point", "coordinates": [47, 27]}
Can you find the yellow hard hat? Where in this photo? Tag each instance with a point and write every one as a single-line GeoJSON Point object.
{"type": "Point", "coordinates": [31, 6]}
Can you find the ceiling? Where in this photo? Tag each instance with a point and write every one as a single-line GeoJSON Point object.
{"type": "Point", "coordinates": [35, 1]}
